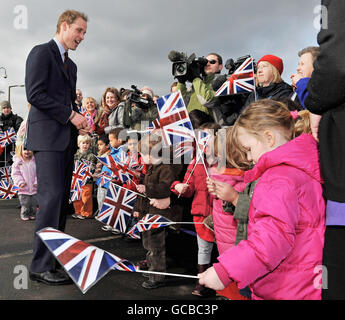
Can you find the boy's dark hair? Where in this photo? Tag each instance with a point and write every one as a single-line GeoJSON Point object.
{"type": "Point", "coordinates": [116, 133]}
{"type": "Point", "coordinates": [104, 138]}
{"type": "Point", "coordinates": [198, 117]}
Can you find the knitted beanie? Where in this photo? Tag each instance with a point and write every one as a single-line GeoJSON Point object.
{"type": "Point", "coordinates": [275, 61]}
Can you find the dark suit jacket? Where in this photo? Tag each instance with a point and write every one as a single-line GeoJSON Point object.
{"type": "Point", "coordinates": [51, 91]}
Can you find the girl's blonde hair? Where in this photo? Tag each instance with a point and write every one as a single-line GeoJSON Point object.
{"type": "Point", "coordinates": [85, 138]}
{"type": "Point", "coordinates": [19, 149]}
{"type": "Point", "coordinates": [226, 146]}
{"type": "Point", "coordinates": [302, 123]}
{"type": "Point", "coordinates": [267, 114]}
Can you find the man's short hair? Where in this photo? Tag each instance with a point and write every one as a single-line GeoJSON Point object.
{"type": "Point", "coordinates": [219, 58]}
{"type": "Point", "coordinates": [70, 16]}
{"type": "Point", "coordinates": [314, 51]}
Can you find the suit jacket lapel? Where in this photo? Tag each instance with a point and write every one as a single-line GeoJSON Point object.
{"type": "Point", "coordinates": [57, 55]}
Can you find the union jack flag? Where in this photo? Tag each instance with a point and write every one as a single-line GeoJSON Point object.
{"type": "Point", "coordinates": [124, 265]}
{"type": "Point", "coordinates": [153, 125]}
{"type": "Point", "coordinates": [80, 175]}
{"type": "Point", "coordinates": [148, 222]}
{"type": "Point", "coordinates": [7, 190]}
{"type": "Point", "coordinates": [119, 171]}
{"type": "Point", "coordinates": [104, 177]}
{"type": "Point", "coordinates": [130, 161]}
{"type": "Point", "coordinates": [185, 147]}
{"type": "Point", "coordinates": [117, 207]}
{"type": "Point", "coordinates": [84, 263]}
{"type": "Point", "coordinates": [7, 137]}
{"type": "Point", "coordinates": [242, 80]}
{"type": "Point", "coordinates": [174, 120]}
{"type": "Point", "coordinates": [5, 174]}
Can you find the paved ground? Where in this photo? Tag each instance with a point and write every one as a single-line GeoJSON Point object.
{"type": "Point", "coordinates": [16, 249]}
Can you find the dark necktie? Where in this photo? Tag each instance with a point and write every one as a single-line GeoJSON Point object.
{"type": "Point", "coordinates": [65, 61]}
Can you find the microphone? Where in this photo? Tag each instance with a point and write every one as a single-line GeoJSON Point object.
{"type": "Point", "coordinates": [175, 56]}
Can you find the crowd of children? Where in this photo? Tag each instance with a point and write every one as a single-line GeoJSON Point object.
{"type": "Point", "coordinates": [263, 206]}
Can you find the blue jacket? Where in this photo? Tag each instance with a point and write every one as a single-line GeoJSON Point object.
{"type": "Point", "coordinates": [302, 90]}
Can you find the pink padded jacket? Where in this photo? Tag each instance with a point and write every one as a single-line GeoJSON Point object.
{"type": "Point", "coordinates": [282, 255]}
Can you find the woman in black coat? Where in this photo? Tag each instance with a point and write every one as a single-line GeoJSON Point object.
{"type": "Point", "coordinates": [270, 83]}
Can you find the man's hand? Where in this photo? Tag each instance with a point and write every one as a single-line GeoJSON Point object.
{"type": "Point", "coordinates": [314, 125]}
{"type": "Point", "coordinates": [79, 121]}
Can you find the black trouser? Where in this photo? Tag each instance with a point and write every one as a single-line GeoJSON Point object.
{"type": "Point", "coordinates": [54, 175]}
{"type": "Point", "coordinates": [334, 261]}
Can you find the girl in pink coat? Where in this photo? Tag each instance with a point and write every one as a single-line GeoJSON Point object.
{"type": "Point", "coordinates": [24, 176]}
{"type": "Point", "coordinates": [282, 256]}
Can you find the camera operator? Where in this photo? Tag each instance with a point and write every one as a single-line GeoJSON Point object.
{"type": "Point", "coordinates": [140, 107]}
{"type": "Point", "coordinates": [201, 91]}
{"type": "Point", "coordinates": [8, 120]}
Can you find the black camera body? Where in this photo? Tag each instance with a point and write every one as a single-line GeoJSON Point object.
{"type": "Point", "coordinates": [186, 67]}
{"type": "Point", "coordinates": [136, 98]}
{"type": "Point", "coordinates": [232, 65]}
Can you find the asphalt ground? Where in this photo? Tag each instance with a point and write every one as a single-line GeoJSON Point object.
{"type": "Point", "coordinates": [16, 252]}
{"type": "Point", "coordinates": [118, 293]}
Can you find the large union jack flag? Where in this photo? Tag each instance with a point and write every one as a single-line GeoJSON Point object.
{"type": "Point", "coordinates": [174, 121]}
{"type": "Point", "coordinates": [5, 174]}
{"type": "Point", "coordinates": [7, 190]}
{"type": "Point", "coordinates": [148, 222]}
{"type": "Point", "coordinates": [84, 263]}
{"type": "Point", "coordinates": [117, 207]}
{"type": "Point", "coordinates": [7, 137]}
{"type": "Point", "coordinates": [242, 80]}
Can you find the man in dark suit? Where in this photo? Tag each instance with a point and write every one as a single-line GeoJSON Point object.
{"type": "Point", "coordinates": [53, 125]}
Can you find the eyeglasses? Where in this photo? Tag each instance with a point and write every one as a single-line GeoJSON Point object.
{"type": "Point", "coordinates": [212, 61]}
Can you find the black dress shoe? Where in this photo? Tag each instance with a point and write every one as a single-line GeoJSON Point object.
{"type": "Point", "coordinates": [50, 277]}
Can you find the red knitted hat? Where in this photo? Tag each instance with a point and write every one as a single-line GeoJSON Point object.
{"type": "Point", "coordinates": [275, 61]}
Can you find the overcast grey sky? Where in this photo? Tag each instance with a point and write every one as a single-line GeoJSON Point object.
{"type": "Point", "coordinates": [128, 41]}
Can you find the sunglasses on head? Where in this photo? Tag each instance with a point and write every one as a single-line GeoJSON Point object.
{"type": "Point", "coordinates": [212, 61]}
